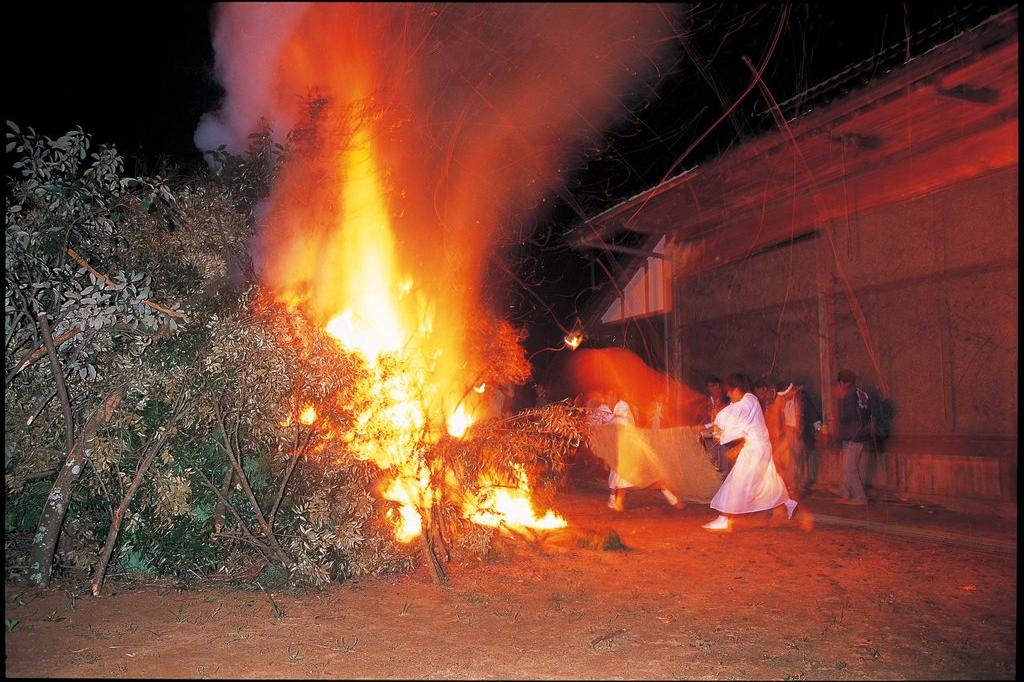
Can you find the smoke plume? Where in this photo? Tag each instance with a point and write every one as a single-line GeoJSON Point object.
{"type": "Point", "coordinates": [473, 112]}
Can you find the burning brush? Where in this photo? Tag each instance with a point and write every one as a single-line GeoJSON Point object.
{"type": "Point", "coordinates": [442, 469]}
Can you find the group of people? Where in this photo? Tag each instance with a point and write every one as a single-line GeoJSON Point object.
{"type": "Point", "coordinates": [608, 407]}
{"type": "Point", "coordinates": [752, 483]}
{"type": "Point", "coordinates": [774, 427]}
{"type": "Point", "coordinates": [792, 422]}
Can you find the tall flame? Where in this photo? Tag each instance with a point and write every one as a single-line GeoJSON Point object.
{"type": "Point", "coordinates": [371, 324]}
{"type": "Point", "coordinates": [422, 140]}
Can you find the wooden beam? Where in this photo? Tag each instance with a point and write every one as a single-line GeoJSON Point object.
{"type": "Point", "coordinates": [969, 93]}
{"type": "Point", "coordinates": [930, 170]}
{"type": "Point", "coordinates": [679, 327]}
{"type": "Point", "coordinates": [972, 56]}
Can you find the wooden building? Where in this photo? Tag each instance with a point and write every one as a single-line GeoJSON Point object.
{"type": "Point", "coordinates": [877, 233]}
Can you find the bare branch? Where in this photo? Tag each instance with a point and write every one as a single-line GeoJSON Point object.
{"type": "Point", "coordinates": [150, 453]}
{"type": "Point", "coordinates": [266, 550]}
{"type": "Point", "coordinates": [244, 481]}
{"type": "Point", "coordinates": [37, 353]}
{"type": "Point", "coordinates": [287, 475]}
{"type": "Point", "coordinates": [58, 376]}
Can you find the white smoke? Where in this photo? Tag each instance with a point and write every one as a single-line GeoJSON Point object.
{"type": "Point", "coordinates": [247, 39]}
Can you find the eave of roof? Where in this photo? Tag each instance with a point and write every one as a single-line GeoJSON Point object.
{"type": "Point", "coordinates": [969, 45]}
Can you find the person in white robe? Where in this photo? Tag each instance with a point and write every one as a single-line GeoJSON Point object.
{"type": "Point", "coordinates": [622, 415]}
{"type": "Point", "coordinates": [753, 484]}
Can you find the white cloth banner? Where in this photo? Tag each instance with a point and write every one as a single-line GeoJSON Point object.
{"type": "Point", "coordinates": [671, 456]}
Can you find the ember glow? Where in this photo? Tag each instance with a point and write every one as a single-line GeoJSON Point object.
{"type": "Point", "coordinates": [421, 140]}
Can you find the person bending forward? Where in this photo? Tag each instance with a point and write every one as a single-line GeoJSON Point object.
{"type": "Point", "coordinates": [753, 484]}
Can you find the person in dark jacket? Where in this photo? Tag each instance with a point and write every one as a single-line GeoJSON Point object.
{"type": "Point", "coordinates": [852, 429]}
{"type": "Point", "coordinates": [812, 423]}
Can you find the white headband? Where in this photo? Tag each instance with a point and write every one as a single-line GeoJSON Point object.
{"type": "Point", "coordinates": [788, 389]}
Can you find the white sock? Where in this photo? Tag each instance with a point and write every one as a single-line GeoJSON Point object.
{"type": "Point", "coordinates": [672, 499]}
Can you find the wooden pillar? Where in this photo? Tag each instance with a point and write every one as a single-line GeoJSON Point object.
{"type": "Point", "coordinates": [664, 285]}
{"type": "Point", "coordinates": [946, 354]}
{"type": "Point", "coordinates": [677, 326]}
{"type": "Point", "coordinates": [826, 326]}
{"type": "Point", "coordinates": [946, 339]}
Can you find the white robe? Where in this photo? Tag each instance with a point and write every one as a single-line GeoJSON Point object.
{"type": "Point", "coordinates": [753, 484]}
{"type": "Point", "coordinates": [622, 416]}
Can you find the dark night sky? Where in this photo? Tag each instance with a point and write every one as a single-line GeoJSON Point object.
{"type": "Point", "coordinates": [138, 79]}
{"type": "Point", "coordinates": [141, 78]}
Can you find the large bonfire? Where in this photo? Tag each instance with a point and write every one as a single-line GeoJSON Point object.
{"type": "Point", "coordinates": [411, 401]}
{"type": "Point", "coordinates": [424, 129]}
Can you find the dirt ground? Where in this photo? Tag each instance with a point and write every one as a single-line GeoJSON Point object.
{"type": "Point", "coordinates": [773, 599]}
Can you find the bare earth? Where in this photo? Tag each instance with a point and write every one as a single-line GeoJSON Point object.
{"type": "Point", "coordinates": [774, 599]}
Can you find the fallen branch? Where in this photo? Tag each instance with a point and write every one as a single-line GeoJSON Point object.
{"type": "Point", "coordinates": [162, 332]}
{"type": "Point", "coordinates": [155, 306]}
{"type": "Point", "coordinates": [39, 475]}
{"type": "Point", "coordinates": [42, 406]}
{"type": "Point", "coordinates": [38, 353]}
{"type": "Point", "coordinates": [607, 637]}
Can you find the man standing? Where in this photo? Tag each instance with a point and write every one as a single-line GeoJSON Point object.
{"type": "Point", "coordinates": [789, 449]}
{"type": "Point", "coordinates": [853, 416]}
{"type": "Point", "coordinates": [811, 426]}
{"type": "Point", "coordinates": [622, 416]}
{"type": "Point", "coordinates": [753, 485]}
{"type": "Point", "coordinates": [716, 397]}
{"type": "Point", "coordinates": [765, 393]}
{"type": "Point", "coordinates": [716, 401]}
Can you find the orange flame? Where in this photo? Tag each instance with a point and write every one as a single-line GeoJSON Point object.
{"type": "Point", "coordinates": [308, 415]}
{"type": "Point", "coordinates": [412, 115]}
{"type": "Point", "coordinates": [498, 504]}
{"type": "Point", "coordinates": [383, 316]}
{"type": "Point", "coordinates": [459, 422]}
